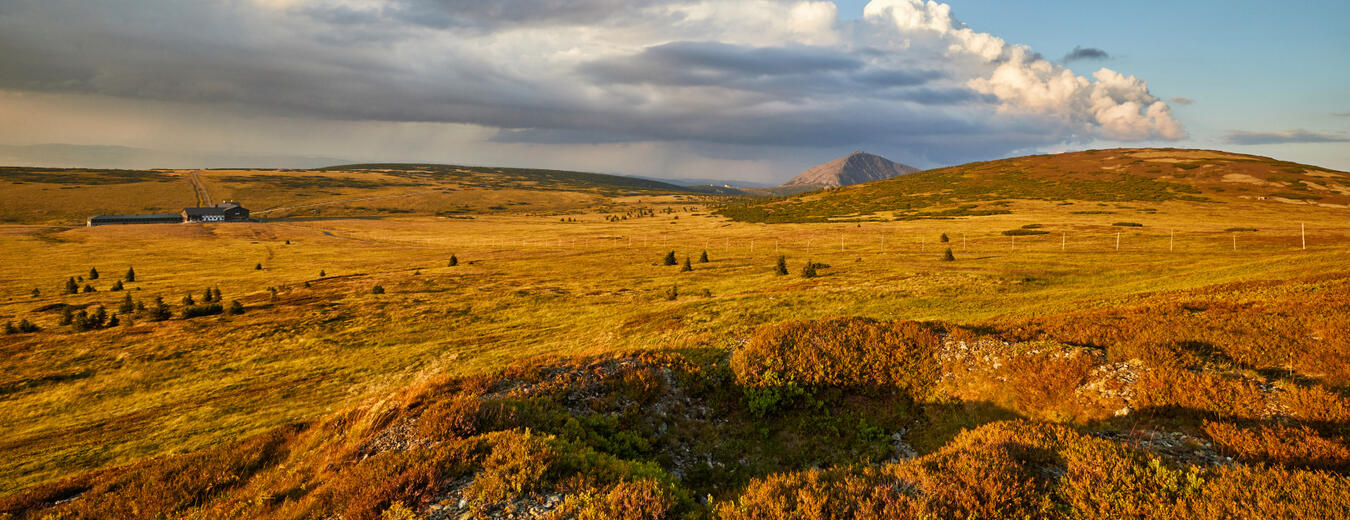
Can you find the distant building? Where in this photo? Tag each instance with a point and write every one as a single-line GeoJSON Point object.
{"type": "Point", "coordinates": [112, 220]}
{"type": "Point", "coordinates": [228, 211]}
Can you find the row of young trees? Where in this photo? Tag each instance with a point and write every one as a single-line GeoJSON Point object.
{"type": "Point", "coordinates": [130, 309]}
{"type": "Point", "coordinates": [780, 268]}
{"type": "Point", "coordinates": [73, 283]}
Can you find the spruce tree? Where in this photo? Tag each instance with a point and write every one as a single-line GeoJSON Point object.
{"type": "Point", "coordinates": [71, 286]}
{"type": "Point", "coordinates": [89, 288]}
{"type": "Point", "coordinates": [117, 286]}
{"type": "Point", "coordinates": [36, 292]}
{"type": "Point", "coordinates": [944, 238]}
{"type": "Point", "coordinates": [377, 289]}
{"type": "Point", "coordinates": [160, 311]}
{"type": "Point", "coordinates": [93, 273]}
{"type": "Point", "coordinates": [215, 297]}
{"type": "Point", "coordinates": [131, 275]}
{"type": "Point", "coordinates": [127, 306]}
{"type": "Point", "coordinates": [781, 268]}
{"type": "Point", "coordinates": [207, 295]}
{"type": "Point", "coordinates": [10, 328]}
{"type": "Point", "coordinates": [258, 267]}
{"type": "Point", "coordinates": [322, 273]}
{"type": "Point", "coordinates": [80, 322]}
{"type": "Point", "coordinates": [28, 326]}
{"type": "Point", "coordinates": [66, 315]}
{"type": "Point", "coordinates": [703, 258]}
{"type": "Point", "coordinates": [686, 266]}
{"type": "Point", "coordinates": [670, 259]}
{"type": "Point", "coordinates": [235, 308]}
{"type": "Point", "coordinates": [188, 301]}
{"type": "Point", "coordinates": [810, 270]}
{"type": "Point", "coordinates": [454, 260]}
{"type": "Point", "coordinates": [948, 257]}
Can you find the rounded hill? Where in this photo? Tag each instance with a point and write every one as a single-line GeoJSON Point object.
{"type": "Point", "coordinates": [1115, 175]}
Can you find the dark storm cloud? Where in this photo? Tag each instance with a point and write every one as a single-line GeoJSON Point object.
{"type": "Point", "coordinates": [1085, 53]}
{"type": "Point", "coordinates": [713, 63]}
{"type": "Point", "coordinates": [524, 68]}
{"type": "Point", "coordinates": [1284, 137]}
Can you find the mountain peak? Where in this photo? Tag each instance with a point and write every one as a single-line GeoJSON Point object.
{"type": "Point", "coordinates": [857, 167]}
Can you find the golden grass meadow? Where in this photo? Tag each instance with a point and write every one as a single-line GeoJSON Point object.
{"type": "Point", "coordinates": [1172, 347]}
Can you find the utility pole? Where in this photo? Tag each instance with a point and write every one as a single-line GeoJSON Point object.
{"type": "Point", "coordinates": [1171, 240]}
{"type": "Point", "coordinates": [1117, 241]}
{"type": "Point", "coordinates": [1303, 234]}
{"type": "Point", "coordinates": [1063, 240]}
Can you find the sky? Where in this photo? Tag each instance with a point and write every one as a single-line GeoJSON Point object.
{"type": "Point", "coordinates": [750, 90]}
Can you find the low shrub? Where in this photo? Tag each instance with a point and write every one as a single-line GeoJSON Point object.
{"type": "Point", "coordinates": [855, 353]}
{"type": "Point", "coordinates": [1024, 232]}
{"type": "Point", "coordinates": [195, 311]}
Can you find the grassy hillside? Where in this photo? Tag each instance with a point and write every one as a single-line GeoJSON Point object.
{"type": "Point", "coordinates": [1114, 176]}
{"type": "Point", "coordinates": [67, 197]}
{"type": "Point", "coordinates": [1097, 360]}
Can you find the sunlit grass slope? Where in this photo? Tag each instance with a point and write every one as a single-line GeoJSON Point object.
{"type": "Point", "coordinates": [68, 197]}
{"type": "Point", "coordinates": [560, 341]}
{"type": "Point", "coordinates": [1119, 176]}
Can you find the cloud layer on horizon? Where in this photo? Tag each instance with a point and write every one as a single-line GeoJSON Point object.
{"type": "Point", "coordinates": [726, 77]}
{"type": "Point", "coordinates": [1296, 136]}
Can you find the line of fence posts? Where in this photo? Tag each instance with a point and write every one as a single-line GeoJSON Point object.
{"type": "Point", "coordinates": [843, 247]}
